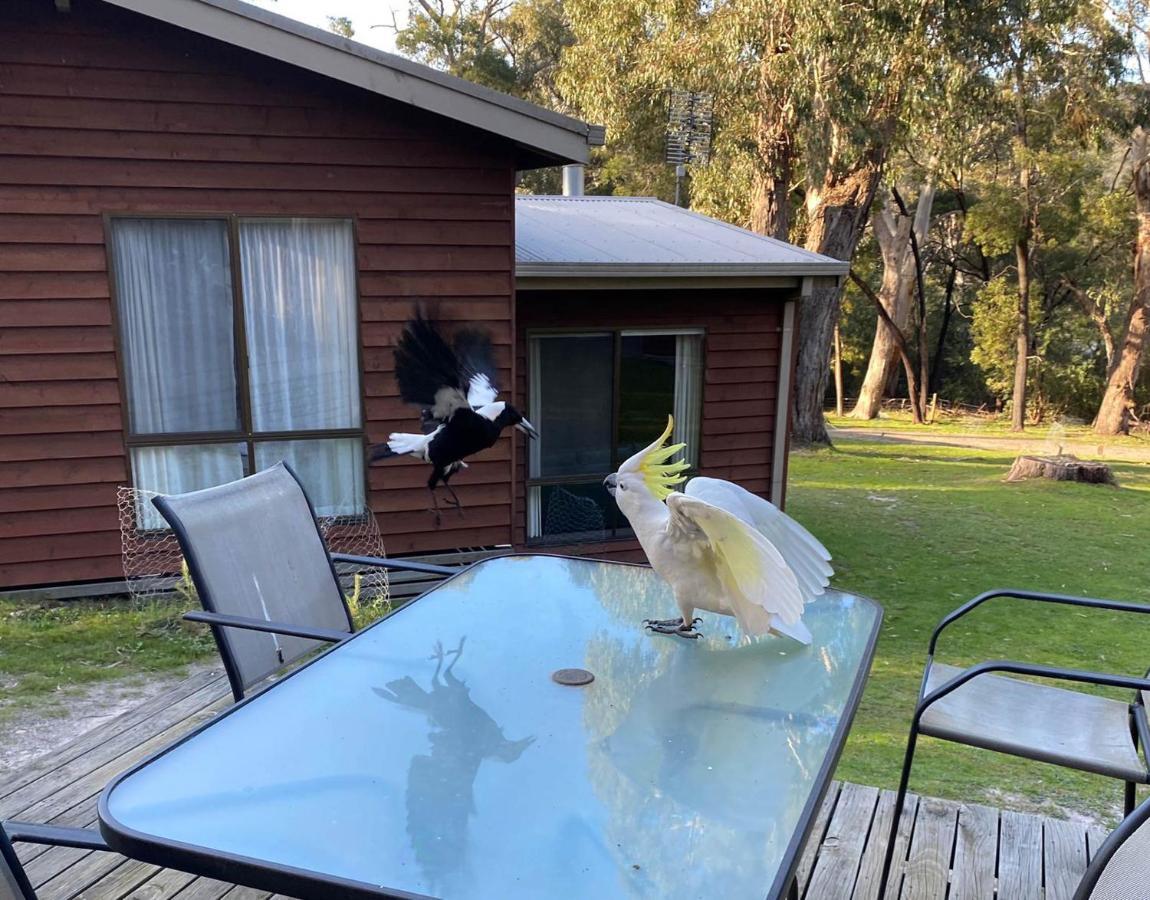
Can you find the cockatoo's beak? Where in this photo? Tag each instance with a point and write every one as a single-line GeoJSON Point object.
{"type": "Point", "coordinates": [528, 429]}
{"type": "Point", "coordinates": [610, 482]}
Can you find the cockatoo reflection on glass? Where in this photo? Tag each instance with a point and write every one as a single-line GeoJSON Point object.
{"type": "Point", "coordinates": [720, 547]}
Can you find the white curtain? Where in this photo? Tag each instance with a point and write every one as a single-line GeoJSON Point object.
{"type": "Point", "coordinates": [176, 470]}
{"type": "Point", "coordinates": [688, 393]}
{"type": "Point", "coordinates": [300, 314]}
{"type": "Point", "coordinates": [173, 285]}
{"type": "Point", "coordinates": [331, 471]}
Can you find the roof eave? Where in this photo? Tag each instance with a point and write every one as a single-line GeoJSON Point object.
{"type": "Point", "coordinates": [270, 34]}
{"type": "Point", "coordinates": [829, 267]}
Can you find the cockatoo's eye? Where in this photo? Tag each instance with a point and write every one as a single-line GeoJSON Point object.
{"type": "Point", "coordinates": [622, 487]}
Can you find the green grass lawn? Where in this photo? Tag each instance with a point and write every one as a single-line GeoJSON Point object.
{"type": "Point", "coordinates": [51, 649]}
{"type": "Point", "coordinates": [990, 426]}
{"type": "Point", "coordinates": [924, 528]}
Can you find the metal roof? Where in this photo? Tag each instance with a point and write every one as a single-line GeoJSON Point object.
{"type": "Point", "coordinates": [557, 137]}
{"type": "Point", "coordinates": [623, 237]}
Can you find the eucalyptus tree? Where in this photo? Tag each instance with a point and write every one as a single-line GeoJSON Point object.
{"type": "Point", "coordinates": [1127, 348]}
{"type": "Point", "coordinates": [1057, 64]}
{"type": "Point", "coordinates": [512, 47]}
{"type": "Point", "coordinates": [808, 97]}
{"type": "Point", "coordinates": [1117, 406]}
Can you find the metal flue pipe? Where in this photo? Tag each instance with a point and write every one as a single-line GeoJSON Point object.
{"type": "Point", "coordinates": [573, 181]}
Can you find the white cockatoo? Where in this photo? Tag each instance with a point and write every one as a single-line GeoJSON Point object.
{"type": "Point", "coordinates": [720, 547]}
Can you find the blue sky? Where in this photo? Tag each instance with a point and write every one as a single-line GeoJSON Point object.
{"type": "Point", "coordinates": [363, 14]}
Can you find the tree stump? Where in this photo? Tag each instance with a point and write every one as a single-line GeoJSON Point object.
{"type": "Point", "coordinates": [1060, 468]}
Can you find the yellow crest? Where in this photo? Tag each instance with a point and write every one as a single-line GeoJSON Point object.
{"type": "Point", "coordinates": [661, 476]}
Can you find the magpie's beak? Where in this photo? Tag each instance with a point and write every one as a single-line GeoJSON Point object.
{"type": "Point", "coordinates": [528, 429]}
{"type": "Point", "coordinates": [610, 482]}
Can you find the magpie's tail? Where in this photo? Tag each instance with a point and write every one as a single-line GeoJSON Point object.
{"type": "Point", "coordinates": [400, 444]}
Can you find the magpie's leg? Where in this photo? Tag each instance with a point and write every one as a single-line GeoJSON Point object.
{"type": "Point", "coordinates": [431, 482]}
{"type": "Point", "coordinates": [673, 626]}
{"type": "Point", "coordinates": [454, 497]}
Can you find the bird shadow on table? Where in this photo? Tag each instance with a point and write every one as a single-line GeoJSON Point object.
{"type": "Point", "coordinates": [440, 784]}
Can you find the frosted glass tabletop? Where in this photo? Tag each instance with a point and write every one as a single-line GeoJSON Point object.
{"type": "Point", "coordinates": [434, 755]}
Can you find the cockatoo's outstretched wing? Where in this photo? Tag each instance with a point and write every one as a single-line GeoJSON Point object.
{"type": "Point", "coordinates": [762, 589]}
{"type": "Point", "coordinates": [808, 558]}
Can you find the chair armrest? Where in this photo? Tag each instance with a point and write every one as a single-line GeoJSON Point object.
{"type": "Point", "coordinates": [1041, 597]}
{"type": "Point", "coordinates": [400, 564]}
{"type": "Point", "coordinates": [1078, 676]}
{"type": "Point", "coordinates": [54, 836]}
{"type": "Point", "coordinates": [301, 631]}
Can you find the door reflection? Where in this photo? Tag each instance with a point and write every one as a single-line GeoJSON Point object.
{"type": "Point", "coordinates": [440, 784]}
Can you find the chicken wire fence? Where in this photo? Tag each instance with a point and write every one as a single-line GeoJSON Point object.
{"type": "Point", "coordinates": [154, 565]}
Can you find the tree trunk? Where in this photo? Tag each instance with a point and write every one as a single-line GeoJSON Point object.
{"type": "Point", "coordinates": [1096, 314]}
{"type": "Point", "coordinates": [1022, 336]}
{"type": "Point", "coordinates": [771, 208]}
{"type": "Point", "coordinates": [838, 372]}
{"type": "Point", "coordinates": [1022, 249]}
{"type": "Point", "coordinates": [1118, 400]}
{"type": "Point", "coordinates": [893, 233]}
{"type": "Point", "coordinates": [947, 301]}
{"type": "Point", "coordinates": [916, 404]}
{"type": "Point", "coordinates": [837, 212]}
{"type": "Point", "coordinates": [775, 144]}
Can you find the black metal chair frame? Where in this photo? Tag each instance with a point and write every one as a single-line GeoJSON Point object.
{"type": "Point", "coordinates": [1113, 843]}
{"type": "Point", "coordinates": [218, 621]}
{"type": "Point", "coordinates": [50, 835]}
{"type": "Point", "coordinates": [1139, 727]}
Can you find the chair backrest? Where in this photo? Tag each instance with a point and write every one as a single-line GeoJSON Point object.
{"type": "Point", "coordinates": [1120, 870]}
{"type": "Point", "coordinates": [13, 882]}
{"type": "Point", "coordinates": [253, 549]}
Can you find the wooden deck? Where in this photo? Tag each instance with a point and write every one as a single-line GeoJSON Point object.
{"type": "Point", "coordinates": [956, 852]}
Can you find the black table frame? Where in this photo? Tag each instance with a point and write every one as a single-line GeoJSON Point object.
{"type": "Point", "coordinates": [310, 885]}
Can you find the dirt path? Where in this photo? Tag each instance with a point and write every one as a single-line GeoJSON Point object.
{"type": "Point", "coordinates": [1006, 443]}
{"type": "Point", "coordinates": [59, 720]}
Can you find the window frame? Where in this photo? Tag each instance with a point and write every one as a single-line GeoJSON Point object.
{"type": "Point", "coordinates": [616, 333]}
{"type": "Point", "coordinates": [246, 435]}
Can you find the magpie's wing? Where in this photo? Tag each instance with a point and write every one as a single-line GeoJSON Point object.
{"type": "Point", "coordinates": [476, 366]}
{"type": "Point", "coordinates": [428, 370]}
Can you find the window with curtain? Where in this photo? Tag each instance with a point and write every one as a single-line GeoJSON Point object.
{"type": "Point", "coordinates": [240, 349]}
{"type": "Point", "coordinates": [598, 398]}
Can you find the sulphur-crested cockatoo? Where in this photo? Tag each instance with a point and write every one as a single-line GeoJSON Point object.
{"type": "Point", "coordinates": [720, 547]}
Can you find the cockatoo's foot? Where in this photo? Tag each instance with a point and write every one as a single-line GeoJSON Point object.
{"type": "Point", "coordinates": [673, 626]}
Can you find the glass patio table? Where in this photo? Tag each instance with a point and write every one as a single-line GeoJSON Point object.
{"type": "Point", "coordinates": [434, 754]}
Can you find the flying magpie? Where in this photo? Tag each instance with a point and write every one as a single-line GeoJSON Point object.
{"type": "Point", "coordinates": [455, 386]}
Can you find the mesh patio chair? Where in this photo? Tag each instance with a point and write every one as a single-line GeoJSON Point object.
{"type": "Point", "coordinates": [263, 573]}
{"type": "Point", "coordinates": [14, 884]}
{"type": "Point", "coordinates": [1120, 870]}
{"type": "Point", "coordinates": [982, 706]}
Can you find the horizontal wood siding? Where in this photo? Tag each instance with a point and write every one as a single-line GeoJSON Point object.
{"type": "Point", "coordinates": [102, 111]}
{"type": "Point", "coordinates": [741, 355]}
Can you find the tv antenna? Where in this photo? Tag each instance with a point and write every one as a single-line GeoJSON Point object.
{"type": "Point", "coordinates": [690, 116]}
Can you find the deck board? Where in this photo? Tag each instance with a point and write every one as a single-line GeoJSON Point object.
{"type": "Point", "coordinates": [944, 850]}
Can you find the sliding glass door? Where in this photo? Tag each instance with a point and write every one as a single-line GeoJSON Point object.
{"type": "Point", "coordinates": [599, 397]}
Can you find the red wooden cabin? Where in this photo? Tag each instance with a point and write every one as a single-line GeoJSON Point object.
{"type": "Point", "coordinates": [214, 222]}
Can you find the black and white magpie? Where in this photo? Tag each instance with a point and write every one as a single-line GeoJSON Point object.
{"type": "Point", "coordinates": [455, 386]}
